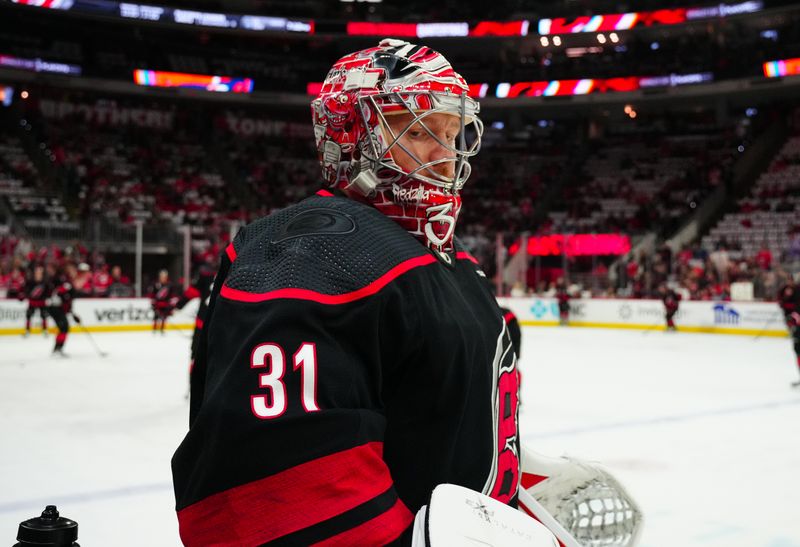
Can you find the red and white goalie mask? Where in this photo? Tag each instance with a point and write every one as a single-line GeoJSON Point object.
{"type": "Point", "coordinates": [394, 126]}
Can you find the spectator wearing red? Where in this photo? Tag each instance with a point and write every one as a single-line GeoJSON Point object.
{"type": "Point", "coordinates": [83, 280]}
{"type": "Point", "coordinates": [764, 258]}
{"type": "Point", "coordinates": [120, 286]}
{"type": "Point", "coordinates": [101, 281]}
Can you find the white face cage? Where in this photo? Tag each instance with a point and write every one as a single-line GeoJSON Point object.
{"type": "Point", "coordinates": [378, 157]}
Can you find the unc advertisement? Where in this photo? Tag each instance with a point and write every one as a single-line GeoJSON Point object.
{"type": "Point", "coordinates": [750, 318]}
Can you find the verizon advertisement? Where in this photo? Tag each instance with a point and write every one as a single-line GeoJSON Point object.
{"type": "Point", "coordinates": [99, 315]}
{"type": "Point", "coordinates": [747, 318]}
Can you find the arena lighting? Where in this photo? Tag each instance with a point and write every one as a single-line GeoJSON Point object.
{"type": "Point", "coordinates": [24, 94]}
{"type": "Point", "coordinates": [163, 14]}
{"type": "Point", "coordinates": [601, 38]}
{"type": "Point", "coordinates": [437, 30]}
{"type": "Point", "coordinates": [614, 37]}
{"type": "Point", "coordinates": [556, 40]}
{"type": "Point", "coordinates": [575, 245]}
{"type": "Point", "coordinates": [509, 90]}
{"type": "Point", "coordinates": [626, 21]}
{"type": "Point", "coordinates": [222, 84]}
{"type": "Point", "coordinates": [783, 67]}
{"type": "Point", "coordinates": [39, 65]}
{"type": "Point", "coordinates": [587, 85]}
{"type": "Point", "coordinates": [7, 95]}
{"type": "Point", "coordinates": [544, 41]}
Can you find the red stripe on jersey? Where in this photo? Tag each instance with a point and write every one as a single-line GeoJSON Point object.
{"type": "Point", "coordinates": [509, 317]}
{"type": "Point", "coordinates": [381, 530]}
{"type": "Point", "coordinates": [306, 294]}
{"type": "Point", "coordinates": [231, 252]}
{"type": "Point", "coordinates": [198, 323]}
{"type": "Point", "coordinates": [325, 193]}
{"type": "Point", "coordinates": [292, 500]}
{"type": "Point", "coordinates": [463, 255]}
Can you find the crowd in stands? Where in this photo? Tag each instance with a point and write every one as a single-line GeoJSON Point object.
{"type": "Point", "coordinates": [647, 179]}
{"type": "Point", "coordinates": [90, 274]}
{"type": "Point", "coordinates": [631, 181]}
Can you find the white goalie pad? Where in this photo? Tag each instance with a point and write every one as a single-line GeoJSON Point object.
{"type": "Point", "coordinates": [580, 502]}
{"type": "Point", "coordinates": [457, 516]}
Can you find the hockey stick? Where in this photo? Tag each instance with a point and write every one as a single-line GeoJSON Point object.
{"type": "Point", "coordinates": [767, 324]}
{"type": "Point", "coordinates": [654, 326]}
{"type": "Point", "coordinates": [100, 352]}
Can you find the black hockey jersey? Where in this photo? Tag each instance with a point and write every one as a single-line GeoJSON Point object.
{"type": "Point", "coordinates": [346, 372]}
{"type": "Point", "coordinates": [37, 292]}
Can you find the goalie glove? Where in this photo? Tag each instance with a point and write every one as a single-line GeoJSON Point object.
{"type": "Point", "coordinates": [459, 516]}
{"type": "Point", "coordinates": [581, 503]}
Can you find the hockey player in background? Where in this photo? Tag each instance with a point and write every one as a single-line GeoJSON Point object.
{"type": "Point", "coordinates": [59, 307]}
{"type": "Point", "coordinates": [671, 301]}
{"type": "Point", "coordinates": [163, 299]}
{"type": "Point", "coordinates": [353, 357]}
{"type": "Point", "coordinates": [200, 288]}
{"type": "Point", "coordinates": [563, 297]}
{"type": "Point", "coordinates": [37, 291]}
{"type": "Point", "coordinates": [789, 301]}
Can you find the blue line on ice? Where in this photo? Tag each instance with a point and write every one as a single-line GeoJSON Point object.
{"type": "Point", "coordinates": [664, 419]}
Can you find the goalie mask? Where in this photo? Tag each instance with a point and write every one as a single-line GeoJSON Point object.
{"type": "Point", "coordinates": [394, 126]}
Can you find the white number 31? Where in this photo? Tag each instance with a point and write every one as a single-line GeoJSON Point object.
{"type": "Point", "coordinates": [272, 357]}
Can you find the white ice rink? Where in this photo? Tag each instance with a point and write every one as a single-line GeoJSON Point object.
{"type": "Point", "coordinates": [703, 429]}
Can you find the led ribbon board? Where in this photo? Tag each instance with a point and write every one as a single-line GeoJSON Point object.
{"type": "Point", "coordinates": [783, 67]}
{"type": "Point", "coordinates": [575, 245]}
{"type": "Point", "coordinates": [220, 84]}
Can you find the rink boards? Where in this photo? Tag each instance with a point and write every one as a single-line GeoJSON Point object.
{"type": "Point", "coordinates": [746, 318]}
{"type": "Point", "coordinates": [98, 315]}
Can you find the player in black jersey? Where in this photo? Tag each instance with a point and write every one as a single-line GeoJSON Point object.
{"type": "Point", "coordinates": [671, 301]}
{"type": "Point", "coordinates": [163, 299]}
{"type": "Point", "coordinates": [353, 357]}
{"type": "Point", "coordinates": [789, 301]}
{"type": "Point", "coordinates": [59, 306]}
{"type": "Point", "coordinates": [37, 291]}
{"type": "Point", "coordinates": [200, 288]}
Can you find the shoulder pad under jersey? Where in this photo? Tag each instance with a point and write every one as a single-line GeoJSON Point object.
{"type": "Point", "coordinates": [328, 245]}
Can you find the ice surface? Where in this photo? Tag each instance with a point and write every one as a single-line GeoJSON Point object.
{"type": "Point", "coordinates": [703, 429]}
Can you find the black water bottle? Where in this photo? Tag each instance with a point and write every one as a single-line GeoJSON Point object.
{"type": "Point", "coordinates": [49, 530]}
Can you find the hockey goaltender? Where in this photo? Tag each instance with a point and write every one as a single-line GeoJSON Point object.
{"type": "Point", "coordinates": [355, 382]}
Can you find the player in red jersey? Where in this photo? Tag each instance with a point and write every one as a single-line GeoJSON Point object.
{"type": "Point", "coordinates": [353, 357]}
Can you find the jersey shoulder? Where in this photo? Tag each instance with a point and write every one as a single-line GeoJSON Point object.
{"type": "Point", "coordinates": [330, 245]}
